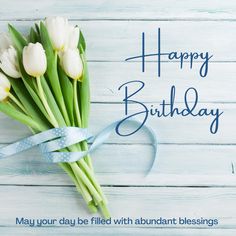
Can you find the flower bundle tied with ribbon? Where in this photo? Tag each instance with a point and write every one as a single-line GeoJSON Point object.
{"type": "Point", "coordinates": [44, 84]}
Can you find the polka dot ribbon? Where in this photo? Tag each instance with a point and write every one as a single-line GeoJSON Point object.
{"type": "Point", "coordinates": [55, 139]}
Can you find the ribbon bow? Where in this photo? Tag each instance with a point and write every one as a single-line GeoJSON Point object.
{"type": "Point", "coordinates": [52, 140]}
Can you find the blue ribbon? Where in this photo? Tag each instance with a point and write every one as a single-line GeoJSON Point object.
{"type": "Point", "coordinates": [52, 140]}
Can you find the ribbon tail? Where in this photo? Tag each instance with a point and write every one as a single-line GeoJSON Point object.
{"type": "Point", "coordinates": [104, 135]}
{"type": "Point", "coordinates": [152, 134]}
{"type": "Point", "coordinates": [98, 140]}
{"type": "Point", "coordinates": [154, 144]}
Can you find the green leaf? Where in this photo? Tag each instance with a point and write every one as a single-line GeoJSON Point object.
{"type": "Point", "coordinates": [84, 89]}
{"type": "Point", "coordinates": [84, 92]}
{"type": "Point", "coordinates": [33, 37]}
{"type": "Point", "coordinates": [51, 72]}
{"type": "Point", "coordinates": [36, 98]}
{"type": "Point", "coordinates": [82, 43]}
{"type": "Point", "coordinates": [52, 103]}
{"type": "Point", "coordinates": [15, 114]}
{"type": "Point", "coordinates": [13, 105]}
{"type": "Point", "coordinates": [67, 90]}
{"type": "Point", "coordinates": [29, 84]}
{"type": "Point", "coordinates": [29, 104]}
{"type": "Point", "coordinates": [37, 28]}
{"type": "Point", "coordinates": [18, 40]}
{"type": "Point", "coordinates": [47, 43]}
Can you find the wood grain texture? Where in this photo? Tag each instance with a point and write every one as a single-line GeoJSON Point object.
{"type": "Point", "coordinates": [44, 202]}
{"type": "Point", "coordinates": [107, 77]}
{"type": "Point", "coordinates": [193, 130]}
{"type": "Point", "coordinates": [118, 231]}
{"type": "Point", "coordinates": [194, 175]}
{"type": "Point", "coordinates": [123, 9]}
{"type": "Point", "coordinates": [105, 39]}
{"type": "Point", "coordinates": [177, 165]}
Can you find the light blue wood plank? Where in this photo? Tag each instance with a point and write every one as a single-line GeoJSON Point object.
{"type": "Point", "coordinates": [209, 165]}
{"type": "Point", "coordinates": [101, 36]}
{"type": "Point", "coordinates": [182, 165]}
{"type": "Point", "coordinates": [192, 129]}
{"type": "Point", "coordinates": [107, 77]}
{"type": "Point", "coordinates": [131, 9]}
{"type": "Point", "coordinates": [57, 202]}
{"type": "Point", "coordinates": [118, 231]}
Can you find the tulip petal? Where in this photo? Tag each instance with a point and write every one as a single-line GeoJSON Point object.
{"type": "Point", "coordinates": [34, 59]}
{"type": "Point", "coordinates": [57, 30]}
{"type": "Point", "coordinates": [9, 63]}
{"type": "Point", "coordinates": [72, 64]}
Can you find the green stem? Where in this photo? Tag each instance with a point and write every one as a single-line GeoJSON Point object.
{"type": "Point", "coordinates": [76, 104]}
{"type": "Point", "coordinates": [79, 173]}
{"type": "Point", "coordinates": [82, 180]}
{"type": "Point", "coordinates": [17, 102]}
{"type": "Point", "coordinates": [85, 194]}
{"type": "Point", "coordinates": [89, 174]}
{"type": "Point", "coordinates": [82, 162]}
{"type": "Point", "coordinates": [93, 179]}
{"type": "Point", "coordinates": [79, 185]}
{"type": "Point", "coordinates": [104, 210]}
{"type": "Point", "coordinates": [78, 119]}
{"type": "Point", "coordinates": [92, 207]}
{"type": "Point", "coordinates": [45, 103]}
{"type": "Point", "coordinates": [84, 147]}
{"type": "Point", "coordinates": [64, 112]}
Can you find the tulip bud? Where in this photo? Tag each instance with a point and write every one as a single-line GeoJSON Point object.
{"type": "Point", "coordinates": [5, 41]}
{"type": "Point", "coordinates": [9, 62]}
{"type": "Point", "coordinates": [34, 59]}
{"type": "Point", "coordinates": [57, 29]}
{"type": "Point", "coordinates": [72, 63]}
{"type": "Point", "coordinates": [5, 87]}
{"type": "Point", "coordinates": [72, 37]}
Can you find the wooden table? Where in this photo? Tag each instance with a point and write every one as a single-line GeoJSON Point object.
{"type": "Point", "coordinates": [194, 176]}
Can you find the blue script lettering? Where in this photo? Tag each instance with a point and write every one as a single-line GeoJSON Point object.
{"type": "Point", "coordinates": [165, 108]}
{"type": "Point", "coordinates": [181, 57]}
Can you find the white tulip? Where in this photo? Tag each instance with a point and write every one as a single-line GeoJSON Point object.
{"type": "Point", "coordinates": [9, 62]}
{"type": "Point", "coordinates": [57, 29]}
{"type": "Point", "coordinates": [72, 37]}
{"type": "Point", "coordinates": [34, 59]}
{"type": "Point", "coordinates": [5, 87]}
{"type": "Point", "coordinates": [5, 41]}
{"type": "Point", "coordinates": [72, 63]}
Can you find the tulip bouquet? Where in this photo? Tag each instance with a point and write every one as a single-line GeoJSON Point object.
{"type": "Point", "coordinates": [44, 84]}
